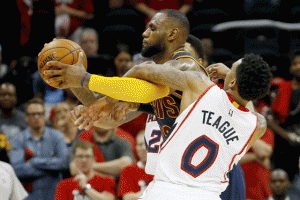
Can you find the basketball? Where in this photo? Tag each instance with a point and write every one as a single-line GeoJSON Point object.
{"type": "Point", "coordinates": [62, 50]}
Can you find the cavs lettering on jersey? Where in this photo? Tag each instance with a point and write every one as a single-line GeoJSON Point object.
{"type": "Point", "coordinates": [153, 140]}
{"type": "Point", "coordinates": [208, 139]}
{"type": "Point", "coordinates": [167, 109]}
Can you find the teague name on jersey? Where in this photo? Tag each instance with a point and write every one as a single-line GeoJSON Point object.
{"type": "Point", "coordinates": [222, 126]}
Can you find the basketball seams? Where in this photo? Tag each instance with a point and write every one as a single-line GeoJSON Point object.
{"type": "Point", "coordinates": [71, 52]}
{"type": "Point", "coordinates": [52, 49]}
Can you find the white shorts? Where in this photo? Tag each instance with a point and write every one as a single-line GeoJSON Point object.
{"type": "Point", "coordinates": [159, 190]}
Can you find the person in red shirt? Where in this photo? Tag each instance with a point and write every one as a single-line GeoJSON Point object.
{"type": "Point", "coordinates": [113, 150]}
{"type": "Point", "coordinates": [71, 14]}
{"type": "Point", "coordinates": [256, 165]}
{"type": "Point", "coordinates": [133, 178]}
{"type": "Point", "coordinates": [86, 183]}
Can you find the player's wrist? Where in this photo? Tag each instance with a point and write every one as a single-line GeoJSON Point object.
{"type": "Point", "coordinates": [85, 80]}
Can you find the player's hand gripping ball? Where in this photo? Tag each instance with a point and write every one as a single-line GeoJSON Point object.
{"type": "Point", "coordinates": [62, 50]}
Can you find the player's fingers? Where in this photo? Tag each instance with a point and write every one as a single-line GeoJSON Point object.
{"type": "Point", "coordinates": [53, 72]}
{"type": "Point", "coordinates": [57, 64]}
{"type": "Point", "coordinates": [55, 79]}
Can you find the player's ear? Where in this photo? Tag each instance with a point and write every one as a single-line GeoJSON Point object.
{"type": "Point", "coordinates": [233, 84]}
{"type": "Point", "coordinates": [173, 34]}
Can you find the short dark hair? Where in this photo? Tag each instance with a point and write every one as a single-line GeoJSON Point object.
{"type": "Point", "coordinates": [83, 145]}
{"type": "Point", "coordinates": [253, 77]}
{"type": "Point", "coordinates": [179, 18]}
{"type": "Point", "coordinates": [197, 45]}
{"type": "Point", "coordinates": [34, 101]}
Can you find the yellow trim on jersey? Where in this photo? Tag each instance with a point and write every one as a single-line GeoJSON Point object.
{"type": "Point", "coordinates": [188, 56]}
{"type": "Point", "coordinates": [177, 95]}
{"type": "Point", "coordinates": [235, 104]}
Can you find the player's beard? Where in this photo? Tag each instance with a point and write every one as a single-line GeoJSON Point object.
{"type": "Point", "coordinates": [152, 50]}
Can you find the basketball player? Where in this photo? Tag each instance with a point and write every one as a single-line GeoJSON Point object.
{"type": "Point", "coordinates": [189, 95]}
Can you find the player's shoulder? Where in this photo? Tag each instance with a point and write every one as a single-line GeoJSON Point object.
{"type": "Point", "coordinates": [261, 124]}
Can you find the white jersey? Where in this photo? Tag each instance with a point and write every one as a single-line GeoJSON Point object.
{"type": "Point", "coordinates": [207, 140]}
{"type": "Point", "coordinates": [153, 140]}
{"type": "Point", "coordinates": [10, 186]}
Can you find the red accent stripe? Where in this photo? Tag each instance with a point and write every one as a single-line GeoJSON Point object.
{"type": "Point", "coordinates": [188, 114]}
{"type": "Point", "coordinates": [241, 151]}
{"type": "Point", "coordinates": [232, 100]}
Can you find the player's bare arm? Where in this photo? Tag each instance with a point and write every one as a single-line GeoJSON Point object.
{"type": "Point", "coordinates": [260, 130]}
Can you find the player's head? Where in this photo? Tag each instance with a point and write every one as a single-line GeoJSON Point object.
{"type": "Point", "coordinates": [194, 46]}
{"type": "Point", "coordinates": [295, 62]}
{"type": "Point", "coordinates": [250, 77]}
{"type": "Point", "coordinates": [279, 183]}
{"type": "Point", "coordinates": [167, 27]}
{"type": "Point", "coordinates": [84, 155]}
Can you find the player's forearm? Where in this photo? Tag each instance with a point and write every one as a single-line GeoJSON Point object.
{"type": "Point", "coordinates": [95, 195]}
{"type": "Point", "coordinates": [132, 196]}
{"type": "Point", "coordinates": [114, 167]}
{"type": "Point", "coordinates": [85, 96]}
{"type": "Point", "coordinates": [125, 89]}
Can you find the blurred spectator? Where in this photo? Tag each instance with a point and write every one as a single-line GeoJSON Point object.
{"type": "Point", "coordinates": [38, 154]}
{"type": "Point", "coordinates": [3, 67]}
{"type": "Point", "coordinates": [150, 7]}
{"type": "Point", "coordinates": [256, 164]}
{"type": "Point", "coordinates": [70, 15]}
{"type": "Point", "coordinates": [89, 41]}
{"type": "Point", "coordinates": [10, 187]}
{"type": "Point", "coordinates": [61, 122]}
{"type": "Point", "coordinates": [112, 151]}
{"type": "Point", "coordinates": [122, 59]}
{"type": "Point", "coordinates": [279, 184]}
{"type": "Point", "coordinates": [86, 184]}
{"type": "Point", "coordinates": [285, 120]}
{"type": "Point", "coordinates": [133, 178]}
{"type": "Point", "coordinates": [50, 95]}
{"type": "Point", "coordinates": [12, 120]}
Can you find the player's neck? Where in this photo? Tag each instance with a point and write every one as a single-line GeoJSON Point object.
{"type": "Point", "coordinates": [237, 98]}
{"type": "Point", "coordinates": [166, 55]}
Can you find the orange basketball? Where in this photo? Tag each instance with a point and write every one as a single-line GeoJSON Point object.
{"type": "Point", "coordinates": [62, 50]}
